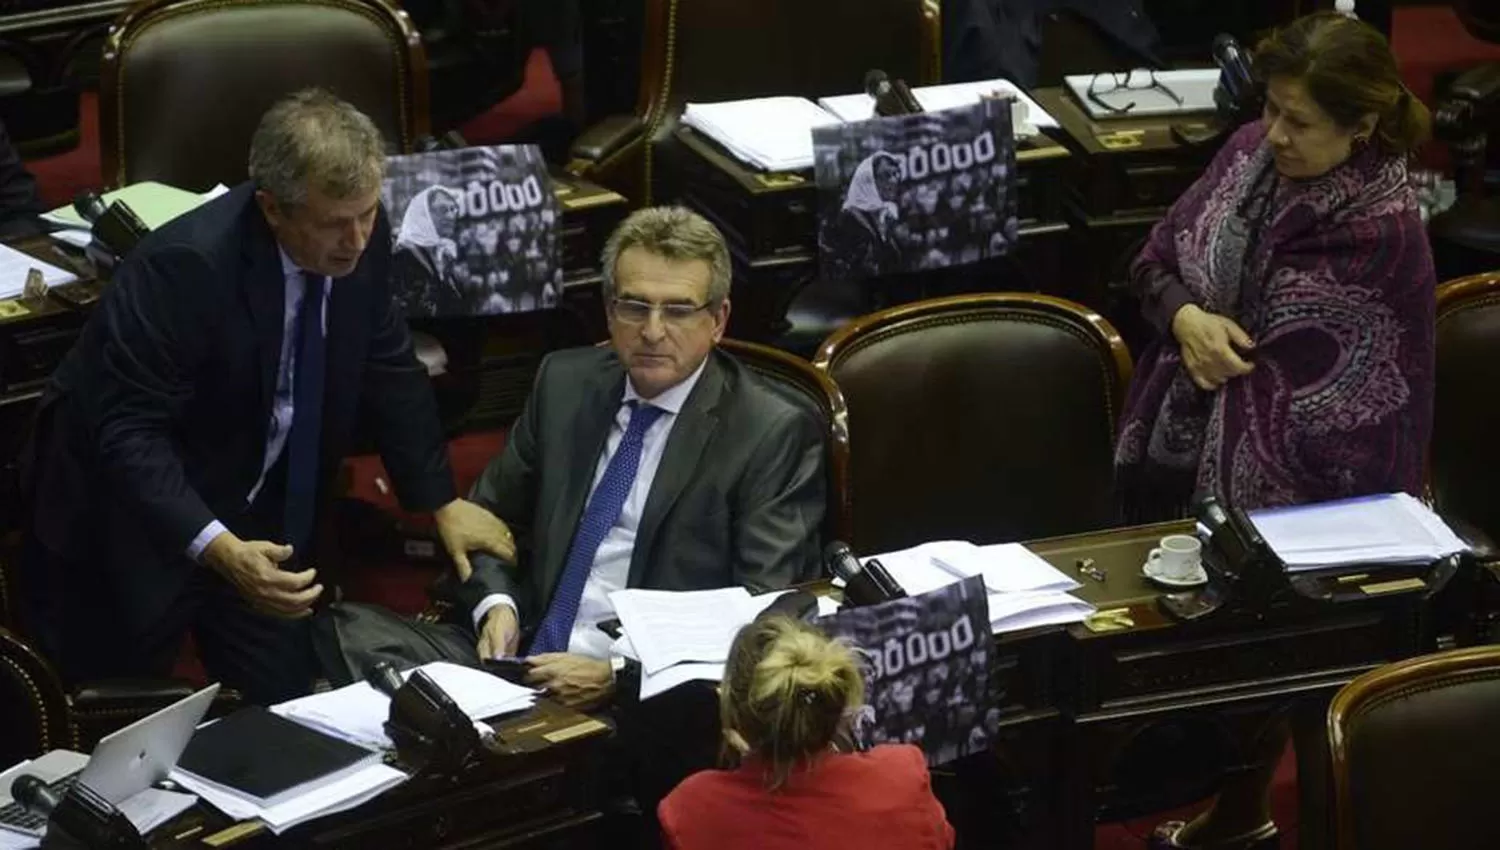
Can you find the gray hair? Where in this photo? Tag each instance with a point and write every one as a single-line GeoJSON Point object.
{"type": "Point", "coordinates": [674, 233]}
{"type": "Point", "coordinates": [314, 137]}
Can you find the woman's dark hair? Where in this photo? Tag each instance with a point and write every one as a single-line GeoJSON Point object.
{"type": "Point", "coordinates": [1349, 72]}
{"type": "Point", "coordinates": [787, 691]}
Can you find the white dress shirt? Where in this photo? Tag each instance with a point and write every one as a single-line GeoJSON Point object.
{"type": "Point", "coordinates": [281, 404]}
{"type": "Point", "coordinates": [611, 567]}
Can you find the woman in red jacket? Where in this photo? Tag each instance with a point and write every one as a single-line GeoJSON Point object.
{"type": "Point", "coordinates": [788, 694]}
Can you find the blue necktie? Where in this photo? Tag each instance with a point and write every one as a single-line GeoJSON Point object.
{"type": "Point", "coordinates": [598, 518]}
{"type": "Point", "coordinates": [307, 415]}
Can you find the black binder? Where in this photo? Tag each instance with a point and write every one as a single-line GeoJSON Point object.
{"type": "Point", "coordinates": [267, 759]}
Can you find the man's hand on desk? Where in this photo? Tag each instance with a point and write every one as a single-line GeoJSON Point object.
{"type": "Point", "coordinates": [501, 634]}
{"type": "Point", "coordinates": [254, 568]}
{"type": "Point", "coordinates": [465, 527]}
{"type": "Point", "coordinates": [576, 681]}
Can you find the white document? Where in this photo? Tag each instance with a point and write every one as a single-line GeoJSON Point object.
{"type": "Point", "coordinates": [153, 807]}
{"type": "Point", "coordinates": [15, 265]}
{"type": "Point", "coordinates": [679, 674]}
{"type": "Point", "coordinates": [1013, 612]}
{"type": "Point", "coordinates": [770, 133]}
{"type": "Point", "coordinates": [1120, 89]}
{"type": "Point", "coordinates": [1386, 529]}
{"type": "Point", "coordinates": [1027, 116]}
{"type": "Point", "coordinates": [668, 627]}
{"type": "Point", "coordinates": [688, 633]}
{"type": "Point", "coordinates": [1006, 567]}
{"type": "Point", "coordinates": [357, 712]}
{"type": "Point", "coordinates": [1024, 590]}
{"type": "Point", "coordinates": [352, 790]}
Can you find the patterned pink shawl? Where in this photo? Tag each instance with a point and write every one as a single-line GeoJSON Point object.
{"type": "Point", "coordinates": [1335, 285]}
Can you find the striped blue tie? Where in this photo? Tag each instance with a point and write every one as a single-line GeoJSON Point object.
{"type": "Point", "coordinates": [598, 518]}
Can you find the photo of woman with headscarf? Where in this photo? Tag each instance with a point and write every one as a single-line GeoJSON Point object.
{"type": "Point", "coordinates": [860, 242]}
{"type": "Point", "coordinates": [424, 261]}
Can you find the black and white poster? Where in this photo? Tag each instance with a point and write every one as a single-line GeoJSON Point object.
{"type": "Point", "coordinates": [474, 231]}
{"type": "Point", "coordinates": [927, 670]}
{"type": "Point", "coordinates": [912, 192]}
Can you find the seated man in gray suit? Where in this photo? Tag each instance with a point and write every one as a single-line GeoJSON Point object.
{"type": "Point", "coordinates": [658, 462]}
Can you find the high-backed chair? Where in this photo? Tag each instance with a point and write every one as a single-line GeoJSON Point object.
{"type": "Point", "coordinates": [184, 82]}
{"type": "Point", "coordinates": [987, 417]}
{"type": "Point", "coordinates": [1465, 456]}
{"type": "Point", "coordinates": [1414, 754]}
{"type": "Point", "coordinates": [33, 706]}
{"type": "Point", "coordinates": [813, 391]}
{"type": "Point", "coordinates": [715, 50]}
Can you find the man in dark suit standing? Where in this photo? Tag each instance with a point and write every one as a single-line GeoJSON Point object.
{"type": "Point", "coordinates": [182, 445]}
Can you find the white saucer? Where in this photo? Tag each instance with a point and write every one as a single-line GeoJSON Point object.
{"type": "Point", "coordinates": [1198, 576]}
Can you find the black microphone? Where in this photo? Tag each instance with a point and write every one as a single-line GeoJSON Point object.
{"type": "Point", "coordinates": [864, 584]}
{"type": "Point", "coordinates": [1236, 75]}
{"type": "Point", "coordinates": [384, 677]}
{"type": "Point", "coordinates": [89, 205]}
{"type": "Point", "coordinates": [34, 795]}
{"type": "Point", "coordinates": [892, 97]}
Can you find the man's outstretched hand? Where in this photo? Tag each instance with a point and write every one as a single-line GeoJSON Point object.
{"type": "Point", "coordinates": [465, 527]}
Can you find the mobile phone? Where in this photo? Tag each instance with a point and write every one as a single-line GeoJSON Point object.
{"type": "Point", "coordinates": [510, 668]}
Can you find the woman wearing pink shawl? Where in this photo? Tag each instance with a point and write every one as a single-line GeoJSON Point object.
{"type": "Point", "coordinates": [1293, 288]}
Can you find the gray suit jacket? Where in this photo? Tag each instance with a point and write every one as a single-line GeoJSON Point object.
{"type": "Point", "coordinates": [738, 498]}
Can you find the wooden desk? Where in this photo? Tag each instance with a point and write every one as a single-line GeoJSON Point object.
{"type": "Point", "coordinates": [770, 221]}
{"type": "Point", "coordinates": [540, 791]}
{"type": "Point", "coordinates": [1226, 677]}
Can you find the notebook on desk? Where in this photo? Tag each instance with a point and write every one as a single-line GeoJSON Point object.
{"type": "Point", "coordinates": [266, 759]}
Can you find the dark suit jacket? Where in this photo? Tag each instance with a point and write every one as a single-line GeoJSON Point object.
{"type": "Point", "coordinates": [155, 423]}
{"type": "Point", "coordinates": [986, 39]}
{"type": "Point", "coordinates": [738, 498]}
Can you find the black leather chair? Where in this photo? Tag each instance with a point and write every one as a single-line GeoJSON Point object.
{"type": "Point", "coordinates": [1465, 456]}
{"type": "Point", "coordinates": [813, 391]}
{"type": "Point", "coordinates": [184, 82]}
{"type": "Point", "coordinates": [34, 708]}
{"type": "Point", "coordinates": [988, 418]}
{"type": "Point", "coordinates": [38, 712]}
{"type": "Point", "coordinates": [715, 50]}
{"type": "Point", "coordinates": [1414, 753]}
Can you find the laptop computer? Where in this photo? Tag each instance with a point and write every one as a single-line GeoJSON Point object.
{"type": "Point", "coordinates": [125, 762]}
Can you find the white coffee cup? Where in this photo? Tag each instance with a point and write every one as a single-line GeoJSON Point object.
{"type": "Point", "coordinates": [1177, 558]}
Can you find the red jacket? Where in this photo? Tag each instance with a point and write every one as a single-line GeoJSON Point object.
{"type": "Point", "coordinates": [872, 800]}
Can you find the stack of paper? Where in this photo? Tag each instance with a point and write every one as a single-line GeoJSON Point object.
{"type": "Point", "coordinates": [1386, 529]}
{"type": "Point", "coordinates": [682, 637]}
{"type": "Point", "coordinates": [770, 133]}
{"type": "Point", "coordinates": [352, 790]}
{"type": "Point", "coordinates": [1027, 116]}
{"type": "Point", "coordinates": [1024, 590]}
{"type": "Point", "coordinates": [357, 713]}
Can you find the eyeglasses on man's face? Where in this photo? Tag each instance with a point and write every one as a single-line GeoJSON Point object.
{"type": "Point", "coordinates": [633, 312]}
{"type": "Point", "coordinates": [1140, 80]}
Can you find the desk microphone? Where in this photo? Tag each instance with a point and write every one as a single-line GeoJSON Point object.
{"type": "Point", "coordinates": [892, 97]}
{"type": "Point", "coordinates": [79, 820]}
{"type": "Point", "coordinates": [864, 584]}
{"type": "Point", "coordinates": [34, 795]}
